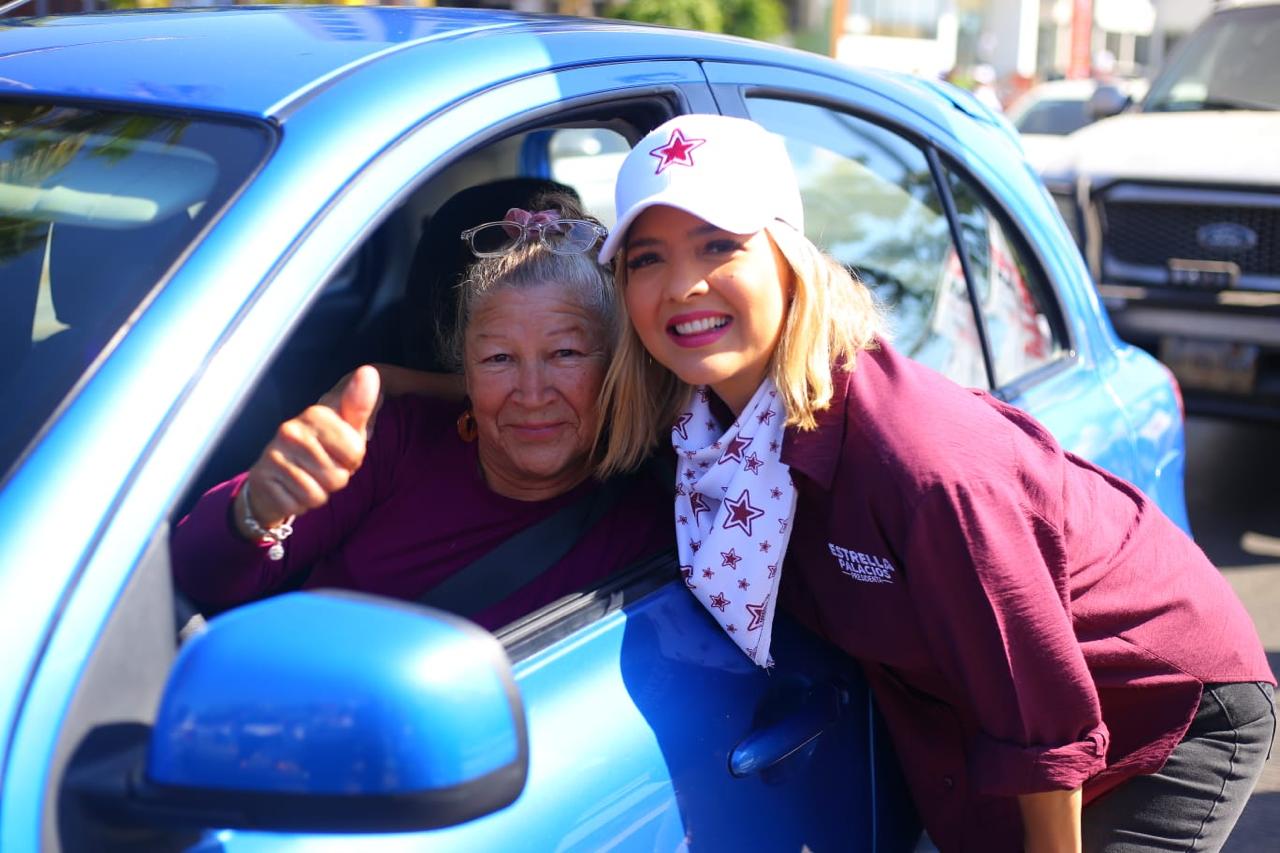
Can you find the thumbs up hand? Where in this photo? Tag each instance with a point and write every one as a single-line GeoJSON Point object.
{"type": "Point", "coordinates": [312, 455]}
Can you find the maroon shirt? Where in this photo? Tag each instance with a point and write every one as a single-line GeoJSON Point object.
{"type": "Point", "coordinates": [415, 512]}
{"type": "Point", "coordinates": [1027, 621]}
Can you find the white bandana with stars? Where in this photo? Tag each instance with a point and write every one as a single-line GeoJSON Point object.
{"type": "Point", "coordinates": [734, 504]}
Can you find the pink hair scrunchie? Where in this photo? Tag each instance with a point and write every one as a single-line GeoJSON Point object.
{"type": "Point", "coordinates": [522, 219]}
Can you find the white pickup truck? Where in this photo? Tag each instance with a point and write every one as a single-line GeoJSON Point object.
{"type": "Point", "coordinates": [1176, 205]}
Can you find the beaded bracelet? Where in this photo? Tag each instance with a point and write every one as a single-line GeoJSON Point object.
{"type": "Point", "coordinates": [275, 535]}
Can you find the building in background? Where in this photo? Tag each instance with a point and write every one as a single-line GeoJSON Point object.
{"type": "Point", "coordinates": [1022, 40]}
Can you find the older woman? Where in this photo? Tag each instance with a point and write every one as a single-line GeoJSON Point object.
{"type": "Point", "coordinates": [439, 485]}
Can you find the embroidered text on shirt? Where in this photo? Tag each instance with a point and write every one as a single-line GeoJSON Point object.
{"type": "Point", "coordinates": [863, 567]}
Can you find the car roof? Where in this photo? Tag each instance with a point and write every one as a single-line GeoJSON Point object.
{"type": "Point", "coordinates": [267, 61]}
{"type": "Point", "coordinates": [247, 60]}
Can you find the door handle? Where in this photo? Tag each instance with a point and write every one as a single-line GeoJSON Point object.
{"type": "Point", "coordinates": [766, 746]}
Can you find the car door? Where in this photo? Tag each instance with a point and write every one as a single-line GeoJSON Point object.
{"type": "Point", "coordinates": [980, 280]}
{"type": "Point", "coordinates": [647, 728]}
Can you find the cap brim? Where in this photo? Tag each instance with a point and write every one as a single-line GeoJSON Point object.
{"type": "Point", "coordinates": [734, 222]}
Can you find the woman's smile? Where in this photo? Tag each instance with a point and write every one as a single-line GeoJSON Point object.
{"type": "Point", "coordinates": [698, 328]}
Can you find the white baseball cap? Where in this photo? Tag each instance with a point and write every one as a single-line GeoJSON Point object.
{"type": "Point", "coordinates": [729, 171]}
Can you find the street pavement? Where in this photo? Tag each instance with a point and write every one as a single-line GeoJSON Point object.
{"type": "Point", "coordinates": [1233, 497]}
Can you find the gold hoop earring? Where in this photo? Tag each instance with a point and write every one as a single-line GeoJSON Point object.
{"type": "Point", "coordinates": [467, 429]}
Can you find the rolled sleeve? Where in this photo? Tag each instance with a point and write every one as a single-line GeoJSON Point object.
{"type": "Point", "coordinates": [988, 576]}
{"type": "Point", "coordinates": [1006, 769]}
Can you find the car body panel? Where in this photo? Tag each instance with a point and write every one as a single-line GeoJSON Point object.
{"type": "Point", "coordinates": [360, 123]}
{"type": "Point", "coordinates": [278, 253]}
{"type": "Point", "coordinates": [593, 784]}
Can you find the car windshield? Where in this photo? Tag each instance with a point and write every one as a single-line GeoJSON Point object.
{"type": "Point", "coordinates": [1055, 117]}
{"type": "Point", "coordinates": [1230, 63]}
{"type": "Point", "coordinates": [94, 208]}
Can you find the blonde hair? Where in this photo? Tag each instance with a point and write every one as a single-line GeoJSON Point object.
{"type": "Point", "coordinates": [831, 318]}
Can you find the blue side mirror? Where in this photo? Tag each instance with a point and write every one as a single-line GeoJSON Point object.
{"type": "Point", "coordinates": [335, 712]}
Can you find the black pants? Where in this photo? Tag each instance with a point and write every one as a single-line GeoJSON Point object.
{"type": "Point", "coordinates": [1193, 802]}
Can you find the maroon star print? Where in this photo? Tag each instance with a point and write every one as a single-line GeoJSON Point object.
{"type": "Point", "coordinates": [752, 463]}
{"type": "Point", "coordinates": [698, 503]}
{"type": "Point", "coordinates": [684, 519]}
{"type": "Point", "coordinates": [773, 446]}
{"type": "Point", "coordinates": [704, 395]}
{"type": "Point", "coordinates": [773, 570]}
{"type": "Point", "coordinates": [744, 584]}
{"type": "Point", "coordinates": [719, 602]}
{"type": "Point", "coordinates": [687, 572]}
{"type": "Point", "coordinates": [765, 416]}
{"type": "Point", "coordinates": [680, 489]}
{"type": "Point", "coordinates": [681, 427]}
{"type": "Point", "coordinates": [741, 513]}
{"type": "Point", "coordinates": [695, 545]}
{"type": "Point", "coordinates": [678, 150]}
{"type": "Point", "coordinates": [732, 629]}
{"type": "Point", "coordinates": [731, 559]}
{"type": "Point", "coordinates": [782, 525]}
{"type": "Point", "coordinates": [774, 493]}
{"type": "Point", "coordinates": [733, 452]}
{"type": "Point", "coordinates": [765, 546]}
{"type": "Point", "coordinates": [707, 573]}
{"type": "Point", "coordinates": [757, 614]}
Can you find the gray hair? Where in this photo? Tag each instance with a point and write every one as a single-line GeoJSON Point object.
{"type": "Point", "coordinates": [584, 281]}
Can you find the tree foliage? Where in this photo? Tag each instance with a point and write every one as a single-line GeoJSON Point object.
{"type": "Point", "coordinates": [686, 14]}
{"type": "Point", "coordinates": [754, 19]}
{"type": "Point", "coordinates": [757, 19]}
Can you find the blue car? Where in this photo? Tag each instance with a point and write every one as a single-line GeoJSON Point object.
{"type": "Point", "coordinates": [208, 216]}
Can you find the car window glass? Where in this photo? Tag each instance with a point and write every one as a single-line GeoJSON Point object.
{"type": "Point", "coordinates": [871, 202]}
{"type": "Point", "coordinates": [1011, 293]}
{"type": "Point", "coordinates": [475, 187]}
{"type": "Point", "coordinates": [1056, 118]}
{"type": "Point", "coordinates": [1229, 63]}
{"type": "Point", "coordinates": [588, 160]}
{"type": "Point", "coordinates": [94, 207]}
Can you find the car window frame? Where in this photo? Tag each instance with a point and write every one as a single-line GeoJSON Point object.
{"type": "Point", "coordinates": [668, 97]}
{"type": "Point", "coordinates": [733, 98]}
{"type": "Point", "coordinates": [1061, 329]}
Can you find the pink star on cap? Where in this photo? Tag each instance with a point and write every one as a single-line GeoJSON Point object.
{"type": "Point", "coordinates": [678, 150]}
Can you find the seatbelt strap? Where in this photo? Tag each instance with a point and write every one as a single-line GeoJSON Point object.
{"type": "Point", "coordinates": [526, 556]}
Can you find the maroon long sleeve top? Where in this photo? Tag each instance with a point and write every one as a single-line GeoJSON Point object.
{"type": "Point", "coordinates": [417, 511]}
{"type": "Point", "coordinates": [1027, 621]}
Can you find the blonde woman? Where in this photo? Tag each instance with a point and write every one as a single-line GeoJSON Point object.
{"type": "Point", "coordinates": [1060, 666]}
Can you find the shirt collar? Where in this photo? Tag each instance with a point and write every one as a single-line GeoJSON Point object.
{"type": "Point", "coordinates": [815, 453]}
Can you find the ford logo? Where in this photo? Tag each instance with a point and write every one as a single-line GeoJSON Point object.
{"type": "Point", "coordinates": [1226, 237]}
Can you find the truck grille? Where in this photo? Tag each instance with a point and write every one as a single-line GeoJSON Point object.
{"type": "Point", "coordinates": [1150, 233]}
